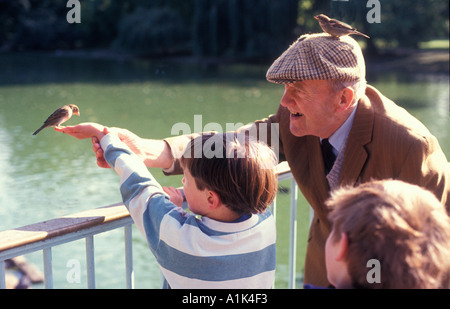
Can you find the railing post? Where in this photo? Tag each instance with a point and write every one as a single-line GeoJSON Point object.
{"type": "Point", "coordinates": [90, 263]}
{"type": "Point", "coordinates": [129, 273]}
{"type": "Point", "coordinates": [293, 235]}
{"type": "Point", "coordinates": [2, 275]}
{"type": "Point", "coordinates": [274, 208]}
{"type": "Point", "coordinates": [48, 271]}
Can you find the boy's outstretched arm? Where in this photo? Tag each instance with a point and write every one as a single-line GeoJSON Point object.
{"type": "Point", "coordinates": [154, 153]}
{"type": "Point", "coordinates": [138, 187]}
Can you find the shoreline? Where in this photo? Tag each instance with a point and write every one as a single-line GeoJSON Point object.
{"type": "Point", "coordinates": [410, 61]}
{"type": "Point", "coordinates": [413, 61]}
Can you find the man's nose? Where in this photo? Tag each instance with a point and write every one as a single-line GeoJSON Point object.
{"type": "Point", "coordinates": [286, 99]}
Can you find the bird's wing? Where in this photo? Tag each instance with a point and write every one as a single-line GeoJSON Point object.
{"type": "Point", "coordinates": [56, 116]}
{"type": "Point", "coordinates": [339, 24]}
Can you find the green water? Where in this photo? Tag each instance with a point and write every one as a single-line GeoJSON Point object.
{"type": "Point", "coordinates": [51, 175]}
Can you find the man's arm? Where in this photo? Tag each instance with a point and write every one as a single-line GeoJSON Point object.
{"type": "Point", "coordinates": [427, 166]}
{"type": "Point", "coordinates": [166, 153]}
{"type": "Point", "coordinates": [266, 130]}
{"type": "Point", "coordinates": [154, 153]}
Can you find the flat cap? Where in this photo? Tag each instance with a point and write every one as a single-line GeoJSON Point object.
{"type": "Point", "coordinates": [319, 56]}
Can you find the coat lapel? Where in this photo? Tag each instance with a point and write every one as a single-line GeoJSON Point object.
{"type": "Point", "coordinates": [359, 136]}
{"type": "Point", "coordinates": [317, 166]}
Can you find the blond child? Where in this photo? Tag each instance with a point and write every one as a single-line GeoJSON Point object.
{"type": "Point", "coordinates": [388, 234]}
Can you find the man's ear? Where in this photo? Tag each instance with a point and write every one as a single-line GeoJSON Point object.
{"type": "Point", "coordinates": [213, 199]}
{"type": "Point", "coordinates": [346, 99]}
{"type": "Point", "coordinates": [343, 247]}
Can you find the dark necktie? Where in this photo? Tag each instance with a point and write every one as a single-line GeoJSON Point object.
{"type": "Point", "coordinates": [328, 155]}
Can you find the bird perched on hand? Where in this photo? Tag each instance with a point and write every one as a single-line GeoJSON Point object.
{"type": "Point", "coordinates": [335, 27]}
{"type": "Point", "coordinates": [59, 116]}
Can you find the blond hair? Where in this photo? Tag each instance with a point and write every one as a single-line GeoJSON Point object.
{"type": "Point", "coordinates": [401, 225]}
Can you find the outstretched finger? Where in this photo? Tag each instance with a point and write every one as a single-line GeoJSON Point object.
{"type": "Point", "coordinates": [59, 129]}
{"type": "Point", "coordinates": [169, 190]}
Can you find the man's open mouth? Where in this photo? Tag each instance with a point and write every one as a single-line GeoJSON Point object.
{"type": "Point", "coordinates": [296, 114]}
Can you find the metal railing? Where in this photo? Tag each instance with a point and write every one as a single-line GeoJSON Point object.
{"type": "Point", "coordinates": [43, 236]}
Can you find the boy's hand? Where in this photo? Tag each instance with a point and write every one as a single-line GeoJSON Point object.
{"type": "Point", "coordinates": [134, 142]}
{"type": "Point", "coordinates": [175, 195]}
{"type": "Point", "coordinates": [101, 161]}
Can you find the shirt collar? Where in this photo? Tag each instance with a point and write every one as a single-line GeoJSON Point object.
{"type": "Point", "coordinates": [337, 139]}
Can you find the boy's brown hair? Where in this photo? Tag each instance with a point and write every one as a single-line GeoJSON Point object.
{"type": "Point", "coordinates": [240, 170]}
{"type": "Point", "coordinates": [401, 225]}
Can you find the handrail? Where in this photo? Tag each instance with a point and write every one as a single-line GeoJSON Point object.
{"type": "Point", "coordinates": [46, 230]}
{"type": "Point", "coordinates": [47, 234]}
{"type": "Point", "coordinates": [57, 227]}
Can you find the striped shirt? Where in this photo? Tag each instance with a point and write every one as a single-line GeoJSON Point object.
{"type": "Point", "coordinates": [193, 252]}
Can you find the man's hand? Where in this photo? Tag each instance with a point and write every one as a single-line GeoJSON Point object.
{"type": "Point", "coordinates": [83, 130]}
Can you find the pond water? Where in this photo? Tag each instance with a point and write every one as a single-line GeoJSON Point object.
{"type": "Point", "coordinates": [51, 175]}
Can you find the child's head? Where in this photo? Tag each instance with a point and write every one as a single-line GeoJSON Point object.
{"type": "Point", "coordinates": [402, 226]}
{"type": "Point", "coordinates": [238, 169]}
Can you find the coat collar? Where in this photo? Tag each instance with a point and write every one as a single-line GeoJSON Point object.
{"type": "Point", "coordinates": [359, 136]}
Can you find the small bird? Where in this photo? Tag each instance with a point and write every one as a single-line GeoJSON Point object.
{"type": "Point", "coordinates": [59, 116]}
{"type": "Point", "coordinates": [335, 27]}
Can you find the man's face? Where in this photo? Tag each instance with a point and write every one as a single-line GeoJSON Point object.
{"type": "Point", "coordinates": [313, 105]}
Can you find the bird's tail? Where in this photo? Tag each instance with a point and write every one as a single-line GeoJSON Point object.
{"type": "Point", "coordinates": [360, 33]}
{"type": "Point", "coordinates": [39, 130]}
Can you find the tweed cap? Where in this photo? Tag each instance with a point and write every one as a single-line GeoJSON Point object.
{"type": "Point", "coordinates": [319, 56]}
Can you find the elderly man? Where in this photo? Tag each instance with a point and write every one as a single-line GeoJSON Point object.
{"type": "Point", "coordinates": [333, 130]}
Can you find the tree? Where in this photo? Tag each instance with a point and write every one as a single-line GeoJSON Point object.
{"type": "Point", "coordinates": [404, 23]}
{"type": "Point", "coordinates": [235, 29]}
{"type": "Point", "coordinates": [250, 29]}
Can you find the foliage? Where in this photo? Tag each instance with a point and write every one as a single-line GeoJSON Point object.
{"type": "Point", "coordinates": [157, 31]}
{"type": "Point", "coordinates": [248, 29]}
{"type": "Point", "coordinates": [404, 23]}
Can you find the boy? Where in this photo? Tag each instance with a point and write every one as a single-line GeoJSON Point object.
{"type": "Point", "coordinates": [388, 234]}
{"type": "Point", "coordinates": [232, 244]}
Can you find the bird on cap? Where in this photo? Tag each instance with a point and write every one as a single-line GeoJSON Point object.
{"type": "Point", "coordinates": [59, 116]}
{"type": "Point", "coordinates": [335, 27]}
{"type": "Point", "coordinates": [319, 56]}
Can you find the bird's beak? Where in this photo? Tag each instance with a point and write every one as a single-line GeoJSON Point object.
{"type": "Point", "coordinates": [77, 113]}
{"type": "Point", "coordinates": [316, 17]}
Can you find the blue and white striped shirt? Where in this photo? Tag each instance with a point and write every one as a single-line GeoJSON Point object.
{"type": "Point", "coordinates": [193, 252]}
